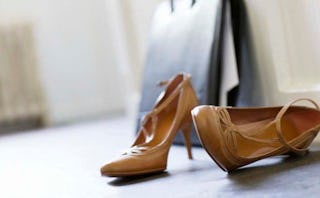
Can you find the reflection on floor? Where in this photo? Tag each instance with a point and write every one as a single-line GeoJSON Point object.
{"type": "Point", "coordinates": [65, 161]}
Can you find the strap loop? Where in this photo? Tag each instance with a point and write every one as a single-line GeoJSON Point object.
{"type": "Point", "coordinates": [278, 118]}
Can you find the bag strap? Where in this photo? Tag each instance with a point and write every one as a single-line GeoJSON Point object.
{"type": "Point", "coordinates": [172, 4]}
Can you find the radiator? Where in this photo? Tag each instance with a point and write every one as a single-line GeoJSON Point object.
{"type": "Point", "coordinates": [21, 98]}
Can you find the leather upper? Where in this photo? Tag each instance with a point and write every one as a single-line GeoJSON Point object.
{"type": "Point", "coordinates": [158, 128]}
{"type": "Point", "coordinates": [234, 137]}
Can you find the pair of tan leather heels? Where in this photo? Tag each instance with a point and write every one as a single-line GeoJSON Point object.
{"type": "Point", "coordinates": [233, 137]}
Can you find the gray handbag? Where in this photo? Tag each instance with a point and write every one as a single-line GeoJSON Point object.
{"type": "Point", "coordinates": [185, 37]}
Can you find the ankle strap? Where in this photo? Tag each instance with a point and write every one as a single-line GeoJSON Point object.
{"type": "Point", "coordinates": [278, 118]}
{"type": "Point", "coordinates": [156, 109]}
{"type": "Point", "coordinates": [185, 81]}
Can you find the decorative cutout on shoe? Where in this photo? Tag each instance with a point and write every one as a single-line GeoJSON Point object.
{"type": "Point", "coordinates": [231, 130]}
{"type": "Point", "coordinates": [136, 150]}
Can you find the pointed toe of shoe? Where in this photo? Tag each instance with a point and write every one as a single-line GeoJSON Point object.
{"type": "Point", "coordinates": [110, 169]}
{"type": "Point", "coordinates": [119, 167]}
{"type": "Point", "coordinates": [132, 166]}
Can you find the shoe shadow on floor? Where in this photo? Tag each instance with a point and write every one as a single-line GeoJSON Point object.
{"type": "Point", "coordinates": [123, 181]}
{"type": "Point", "coordinates": [196, 167]}
{"type": "Point", "coordinates": [285, 168]}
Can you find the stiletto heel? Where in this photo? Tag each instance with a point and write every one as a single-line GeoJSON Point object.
{"type": "Point", "coordinates": [149, 152]}
{"type": "Point", "coordinates": [186, 131]}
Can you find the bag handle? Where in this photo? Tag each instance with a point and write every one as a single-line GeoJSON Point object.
{"type": "Point", "coordinates": [172, 4]}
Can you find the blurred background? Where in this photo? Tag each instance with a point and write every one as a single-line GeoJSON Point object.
{"type": "Point", "coordinates": [68, 61]}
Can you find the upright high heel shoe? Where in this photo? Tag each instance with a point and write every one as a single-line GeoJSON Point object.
{"type": "Point", "coordinates": [150, 150]}
{"type": "Point", "coordinates": [235, 137]}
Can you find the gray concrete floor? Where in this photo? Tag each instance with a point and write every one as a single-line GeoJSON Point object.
{"type": "Point", "coordinates": [65, 162]}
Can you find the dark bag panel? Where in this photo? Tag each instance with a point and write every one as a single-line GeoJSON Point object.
{"type": "Point", "coordinates": [185, 37]}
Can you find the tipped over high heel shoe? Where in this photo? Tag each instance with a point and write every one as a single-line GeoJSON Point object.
{"type": "Point", "coordinates": [235, 137]}
{"type": "Point", "coordinates": [150, 150]}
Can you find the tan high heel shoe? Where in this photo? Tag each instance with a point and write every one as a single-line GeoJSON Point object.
{"type": "Point", "coordinates": [150, 150]}
{"type": "Point", "coordinates": [235, 137]}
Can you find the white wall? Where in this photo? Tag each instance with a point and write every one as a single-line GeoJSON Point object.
{"type": "Point", "coordinates": [91, 53]}
{"type": "Point", "coordinates": [137, 19]}
{"type": "Point", "coordinates": [131, 21]}
{"type": "Point", "coordinates": [76, 55]}
{"type": "Point", "coordinates": [286, 44]}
